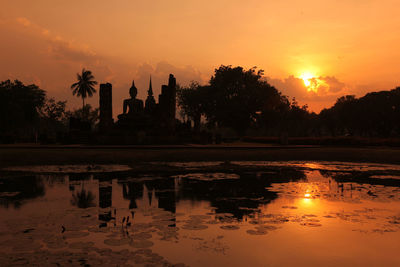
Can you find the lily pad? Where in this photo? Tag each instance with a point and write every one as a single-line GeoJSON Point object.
{"type": "Point", "coordinates": [116, 242]}
{"type": "Point", "coordinates": [141, 243]}
{"type": "Point", "coordinates": [81, 245]}
{"type": "Point", "coordinates": [193, 226]}
{"type": "Point", "coordinates": [230, 227]}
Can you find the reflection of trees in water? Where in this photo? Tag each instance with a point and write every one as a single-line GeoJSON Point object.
{"type": "Point", "coordinates": [79, 177]}
{"type": "Point", "coordinates": [52, 179]}
{"type": "Point", "coordinates": [23, 188]}
{"type": "Point", "coordinates": [239, 197]}
{"type": "Point", "coordinates": [163, 188]}
{"type": "Point", "coordinates": [362, 177]}
{"type": "Point", "coordinates": [357, 185]}
{"type": "Point", "coordinates": [83, 199]}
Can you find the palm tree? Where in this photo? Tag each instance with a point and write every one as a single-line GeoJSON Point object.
{"type": "Point", "coordinates": [83, 199]}
{"type": "Point", "coordinates": [84, 87]}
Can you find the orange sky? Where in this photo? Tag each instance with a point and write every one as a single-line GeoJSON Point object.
{"type": "Point", "coordinates": [351, 46]}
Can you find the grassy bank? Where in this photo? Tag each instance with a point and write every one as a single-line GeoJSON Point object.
{"type": "Point", "coordinates": [13, 156]}
{"type": "Point", "coordinates": [343, 141]}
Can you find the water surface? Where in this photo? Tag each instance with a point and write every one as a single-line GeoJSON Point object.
{"type": "Point", "coordinates": [301, 213]}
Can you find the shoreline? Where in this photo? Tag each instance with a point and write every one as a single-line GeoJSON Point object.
{"type": "Point", "coordinates": [21, 155]}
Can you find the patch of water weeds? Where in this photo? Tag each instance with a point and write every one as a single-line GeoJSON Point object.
{"type": "Point", "coordinates": [230, 227]}
{"type": "Point", "coordinates": [321, 165]}
{"type": "Point", "coordinates": [251, 210]}
{"type": "Point", "coordinates": [96, 257]}
{"type": "Point", "coordinates": [213, 245]}
{"type": "Point", "coordinates": [208, 176]}
{"type": "Point", "coordinates": [141, 243]}
{"type": "Point", "coordinates": [116, 242]}
{"type": "Point", "coordinates": [84, 168]}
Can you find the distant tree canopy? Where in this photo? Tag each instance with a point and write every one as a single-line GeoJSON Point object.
{"type": "Point", "coordinates": [375, 114]}
{"type": "Point", "coordinates": [241, 99]}
{"type": "Point", "coordinates": [192, 101]}
{"type": "Point", "coordinates": [53, 119]}
{"type": "Point", "coordinates": [20, 107]}
{"type": "Point", "coordinates": [53, 110]}
{"type": "Point", "coordinates": [87, 114]}
{"type": "Point", "coordinates": [234, 98]}
{"type": "Point", "coordinates": [27, 115]}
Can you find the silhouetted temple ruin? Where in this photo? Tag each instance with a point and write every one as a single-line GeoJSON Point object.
{"type": "Point", "coordinates": [167, 105]}
{"type": "Point", "coordinates": [106, 119]}
{"type": "Point", "coordinates": [139, 120]}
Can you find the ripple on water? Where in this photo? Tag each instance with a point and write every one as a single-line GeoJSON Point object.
{"type": "Point", "coordinates": [266, 228]}
{"type": "Point", "coordinates": [229, 227]}
{"type": "Point", "coordinates": [194, 226]}
{"type": "Point", "coordinates": [86, 168]}
{"type": "Point", "coordinates": [39, 232]}
{"type": "Point", "coordinates": [257, 232]}
{"type": "Point", "coordinates": [81, 245]}
{"type": "Point", "coordinates": [141, 243]}
{"type": "Point", "coordinates": [55, 242]}
{"type": "Point", "coordinates": [208, 176]}
{"type": "Point", "coordinates": [310, 224]}
{"type": "Point", "coordinates": [142, 236]}
{"type": "Point", "coordinates": [289, 207]}
{"type": "Point", "coordinates": [8, 194]}
{"type": "Point", "coordinates": [116, 242]}
{"type": "Point", "coordinates": [75, 234]}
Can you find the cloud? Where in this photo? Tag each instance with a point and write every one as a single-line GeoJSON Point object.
{"type": "Point", "coordinates": [322, 91]}
{"type": "Point", "coordinates": [334, 85]}
{"type": "Point", "coordinates": [34, 54]}
{"type": "Point", "coordinates": [63, 50]}
{"type": "Point", "coordinates": [24, 21]}
{"type": "Point", "coordinates": [57, 46]}
{"type": "Point", "coordinates": [160, 73]}
{"type": "Point", "coordinates": [184, 74]}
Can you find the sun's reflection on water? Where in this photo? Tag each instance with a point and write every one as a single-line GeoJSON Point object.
{"type": "Point", "coordinates": [214, 219]}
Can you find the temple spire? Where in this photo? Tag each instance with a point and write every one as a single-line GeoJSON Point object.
{"type": "Point", "coordinates": [150, 101]}
{"type": "Point", "coordinates": [150, 91]}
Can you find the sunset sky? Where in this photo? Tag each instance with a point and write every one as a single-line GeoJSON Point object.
{"type": "Point", "coordinates": [335, 47]}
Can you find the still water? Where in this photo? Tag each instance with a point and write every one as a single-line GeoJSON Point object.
{"type": "Point", "coordinates": [257, 214]}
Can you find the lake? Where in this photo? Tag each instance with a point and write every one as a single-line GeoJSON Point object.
{"type": "Point", "coordinates": [201, 214]}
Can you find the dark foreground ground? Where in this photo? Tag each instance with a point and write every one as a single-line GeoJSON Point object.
{"type": "Point", "coordinates": [37, 155]}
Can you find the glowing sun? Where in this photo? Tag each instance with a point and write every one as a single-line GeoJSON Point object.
{"type": "Point", "coordinates": [310, 81]}
{"type": "Point", "coordinates": [306, 77]}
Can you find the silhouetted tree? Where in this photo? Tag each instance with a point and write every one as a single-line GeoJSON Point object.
{"type": "Point", "coordinates": [237, 97]}
{"type": "Point", "coordinates": [87, 113]}
{"type": "Point", "coordinates": [53, 120]}
{"type": "Point", "coordinates": [375, 114]}
{"type": "Point", "coordinates": [19, 109]}
{"type": "Point", "coordinates": [53, 110]}
{"type": "Point", "coordinates": [191, 100]}
{"type": "Point", "coordinates": [84, 87]}
{"type": "Point", "coordinates": [28, 187]}
{"type": "Point", "coordinates": [300, 122]}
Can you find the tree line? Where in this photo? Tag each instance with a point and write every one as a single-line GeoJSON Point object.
{"type": "Point", "coordinates": [243, 101]}
{"type": "Point", "coordinates": [29, 115]}
{"type": "Point", "coordinates": [234, 98]}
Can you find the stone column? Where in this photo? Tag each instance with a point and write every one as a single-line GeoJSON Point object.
{"type": "Point", "coordinates": [106, 119]}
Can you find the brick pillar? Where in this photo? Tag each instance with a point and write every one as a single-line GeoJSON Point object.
{"type": "Point", "coordinates": [106, 119]}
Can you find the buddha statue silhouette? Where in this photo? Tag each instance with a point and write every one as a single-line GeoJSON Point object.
{"type": "Point", "coordinates": [133, 107]}
{"type": "Point", "coordinates": [133, 104]}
